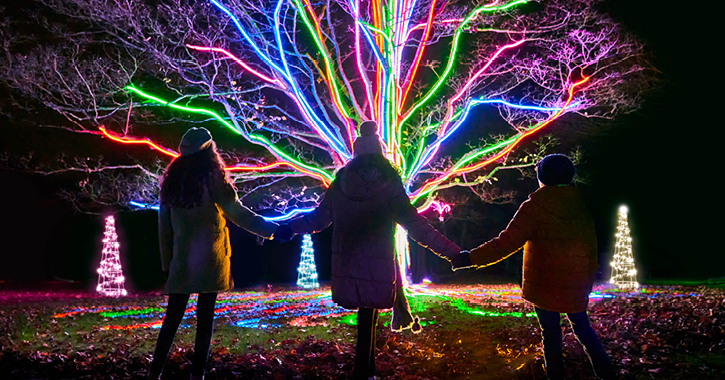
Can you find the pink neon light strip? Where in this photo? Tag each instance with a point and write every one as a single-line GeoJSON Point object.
{"type": "Point", "coordinates": [486, 66]}
{"type": "Point", "coordinates": [238, 61]}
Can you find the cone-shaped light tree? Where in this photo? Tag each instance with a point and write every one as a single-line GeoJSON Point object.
{"type": "Point", "coordinates": [283, 85]}
{"type": "Point", "coordinates": [110, 273]}
{"type": "Point", "coordinates": [307, 270]}
{"type": "Point", "coordinates": [624, 273]}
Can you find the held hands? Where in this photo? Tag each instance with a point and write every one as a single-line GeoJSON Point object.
{"type": "Point", "coordinates": [462, 261]}
{"type": "Point", "coordinates": [283, 233]}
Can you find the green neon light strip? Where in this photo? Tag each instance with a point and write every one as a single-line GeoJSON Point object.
{"type": "Point", "coordinates": [259, 139]}
{"type": "Point", "coordinates": [466, 159]}
{"type": "Point", "coordinates": [454, 49]}
{"type": "Point", "coordinates": [187, 109]}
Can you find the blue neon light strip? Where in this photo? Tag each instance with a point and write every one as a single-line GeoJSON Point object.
{"type": "Point", "coordinates": [288, 215]}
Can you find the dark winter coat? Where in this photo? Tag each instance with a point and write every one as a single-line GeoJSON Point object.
{"type": "Point", "coordinates": [195, 245]}
{"type": "Point", "coordinates": [364, 208]}
{"type": "Point", "coordinates": [560, 249]}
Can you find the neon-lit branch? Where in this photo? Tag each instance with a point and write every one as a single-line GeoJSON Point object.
{"type": "Point", "coordinates": [425, 154]}
{"type": "Point", "coordinates": [507, 146]}
{"type": "Point", "coordinates": [325, 177]}
{"type": "Point", "coordinates": [249, 40]}
{"type": "Point", "coordinates": [408, 83]}
{"type": "Point", "coordinates": [240, 63]}
{"type": "Point", "coordinates": [307, 112]}
{"type": "Point", "coordinates": [452, 56]}
{"type": "Point", "coordinates": [145, 141]}
{"type": "Point", "coordinates": [332, 82]}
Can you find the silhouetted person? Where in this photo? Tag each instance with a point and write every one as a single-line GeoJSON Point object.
{"type": "Point", "coordinates": [196, 195]}
{"type": "Point", "coordinates": [364, 203]}
{"type": "Point", "coordinates": [560, 261]}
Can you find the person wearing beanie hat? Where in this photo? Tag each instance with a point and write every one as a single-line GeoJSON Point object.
{"type": "Point", "coordinates": [555, 169]}
{"type": "Point", "coordinates": [560, 262]}
{"type": "Point", "coordinates": [197, 197]}
{"type": "Point", "coordinates": [364, 203]}
{"type": "Point", "coordinates": [195, 140]}
{"type": "Point", "coordinates": [368, 142]}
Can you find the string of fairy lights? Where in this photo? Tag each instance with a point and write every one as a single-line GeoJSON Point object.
{"type": "Point", "coordinates": [624, 273]}
{"type": "Point", "coordinates": [110, 275]}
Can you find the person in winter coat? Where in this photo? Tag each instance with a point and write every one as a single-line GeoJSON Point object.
{"type": "Point", "coordinates": [560, 261]}
{"type": "Point", "coordinates": [196, 197]}
{"type": "Point", "coordinates": [364, 203]}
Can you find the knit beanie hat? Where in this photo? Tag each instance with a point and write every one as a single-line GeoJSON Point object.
{"type": "Point", "coordinates": [555, 169]}
{"type": "Point", "coordinates": [368, 142]}
{"type": "Point", "coordinates": [194, 140]}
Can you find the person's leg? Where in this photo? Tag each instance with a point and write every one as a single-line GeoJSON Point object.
{"type": "Point", "coordinates": [592, 345]}
{"type": "Point", "coordinates": [371, 364]}
{"type": "Point", "coordinates": [174, 314]}
{"type": "Point", "coordinates": [365, 343]}
{"type": "Point", "coordinates": [204, 330]}
{"type": "Point", "coordinates": [550, 323]}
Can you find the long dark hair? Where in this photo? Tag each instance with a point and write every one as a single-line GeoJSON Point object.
{"type": "Point", "coordinates": [186, 178]}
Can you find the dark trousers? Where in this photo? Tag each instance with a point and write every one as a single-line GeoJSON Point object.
{"type": "Point", "coordinates": [551, 333]}
{"type": "Point", "coordinates": [367, 319]}
{"type": "Point", "coordinates": [204, 329]}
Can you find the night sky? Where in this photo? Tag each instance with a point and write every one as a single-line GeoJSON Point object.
{"type": "Point", "coordinates": [661, 161]}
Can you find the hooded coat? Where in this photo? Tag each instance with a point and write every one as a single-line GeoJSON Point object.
{"type": "Point", "coordinates": [364, 206]}
{"type": "Point", "coordinates": [560, 249]}
{"type": "Point", "coordinates": [194, 242]}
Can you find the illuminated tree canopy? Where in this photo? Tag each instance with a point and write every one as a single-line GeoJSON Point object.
{"type": "Point", "coordinates": [290, 80]}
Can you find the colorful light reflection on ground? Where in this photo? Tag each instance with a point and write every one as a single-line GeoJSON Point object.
{"type": "Point", "coordinates": [301, 308]}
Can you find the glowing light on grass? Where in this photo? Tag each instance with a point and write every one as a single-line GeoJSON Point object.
{"type": "Point", "coordinates": [301, 308]}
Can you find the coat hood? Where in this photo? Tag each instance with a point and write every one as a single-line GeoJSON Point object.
{"type": "Point", "coordinates": [361, 183]}
{"type": "Point", "coordinates": [560, 201]}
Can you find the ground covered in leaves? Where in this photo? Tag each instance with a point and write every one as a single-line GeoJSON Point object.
{"type": "Point", "coordinates": [663, 332]}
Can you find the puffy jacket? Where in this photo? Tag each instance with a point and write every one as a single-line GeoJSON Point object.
{"type": "Point", "coordinates": [560, 249]}
{"type": "Point", "coordinates": [195, 245]}
{"type": "Point", "coordinates": [364, 209]}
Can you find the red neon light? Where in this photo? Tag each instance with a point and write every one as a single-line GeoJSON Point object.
{"type": "Point", "coordinates": [169, 152]}
{"type": "Point", "coordinates": [126, 140]}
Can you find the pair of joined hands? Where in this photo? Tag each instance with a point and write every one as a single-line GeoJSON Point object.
{"type": "Point", "coordinates": [461, 261]}
{"type": "Point", "coordinates": [283, 233]}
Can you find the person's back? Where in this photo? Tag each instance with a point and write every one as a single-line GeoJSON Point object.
{"type": "Point", "coordinates": [560, 261]}
{"type": "Point", "coordinates": [560, 257]}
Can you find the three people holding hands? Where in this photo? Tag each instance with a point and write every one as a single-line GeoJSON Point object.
{"type": "Point", "coordinates": [365, 202]}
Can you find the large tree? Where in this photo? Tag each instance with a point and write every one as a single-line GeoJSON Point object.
{"type": "Point", "coordinates": [285, 83]}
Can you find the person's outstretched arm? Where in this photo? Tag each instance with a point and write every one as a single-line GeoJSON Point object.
{"type": "Point", "coordinates": [227, 201]}
{"type": "Point", "coordinates": [509, 241]}
{"type": "Point", "coordinates": [166, 236]}
{"type": "Point", "coordinates": [418, 227]}
{"type": "Point", "coordinates": [314, 221]}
